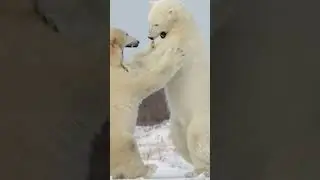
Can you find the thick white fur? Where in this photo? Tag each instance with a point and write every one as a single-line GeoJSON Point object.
{"type": "Point", "coordinates": [188, 92]}
{"type": "Point", "coordinates": [128, 87]}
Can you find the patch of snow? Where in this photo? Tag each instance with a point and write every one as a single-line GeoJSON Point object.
{"type": "Point", "coordinates": [156, 148]}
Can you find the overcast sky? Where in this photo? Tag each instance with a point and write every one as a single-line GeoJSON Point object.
{"type": "Point", "coordinates": [132, 15]}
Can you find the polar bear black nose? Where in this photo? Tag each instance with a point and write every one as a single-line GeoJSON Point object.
{"type": "Point", "coordinates": [151, 38]}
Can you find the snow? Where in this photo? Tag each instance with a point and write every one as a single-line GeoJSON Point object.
{"type": "Point", "coordinates": [156, 148]}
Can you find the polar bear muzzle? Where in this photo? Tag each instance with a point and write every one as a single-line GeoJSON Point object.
{"type": "Point", "coordinates": [163, 34]}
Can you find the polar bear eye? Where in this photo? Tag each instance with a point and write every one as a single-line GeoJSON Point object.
{"type": "Point", "coordinates": [156, 25]}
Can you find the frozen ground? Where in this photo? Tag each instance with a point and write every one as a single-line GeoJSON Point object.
{"type": "Point", "coordinates": [156, 148]}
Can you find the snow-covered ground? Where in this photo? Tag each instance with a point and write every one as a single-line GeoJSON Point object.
{"type": "Point", "coordinates": [156, 148]}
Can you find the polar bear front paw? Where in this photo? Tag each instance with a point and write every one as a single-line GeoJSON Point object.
{"type": "Point", "coordinates": [175, 56]}
{"type": "Point", "coordinates": [178, 57]}
{"type": "Point", "coordinates": [176, 52]}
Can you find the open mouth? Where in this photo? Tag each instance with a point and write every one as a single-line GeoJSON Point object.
{"type": "Point", "coordinates": [133, 44]}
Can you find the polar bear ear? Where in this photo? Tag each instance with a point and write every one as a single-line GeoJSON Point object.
{"type": "Point", "coordinates": [171, 12]}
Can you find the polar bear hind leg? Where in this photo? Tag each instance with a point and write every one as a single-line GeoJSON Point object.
{"type": "Point", "coordinates": [126, 159]}
{"type": "Point", "coordinates": [198, 141]}
{"type": "Point", "coordinates": [179, 139]}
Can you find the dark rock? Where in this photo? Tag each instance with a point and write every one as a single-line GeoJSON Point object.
{"type": "Point", "coordinates": [153, 109]}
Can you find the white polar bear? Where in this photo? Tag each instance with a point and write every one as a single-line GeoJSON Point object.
{"type": "Point", "coordinates": [128, 87]}
{"type": "Point", "coordinates": [188, 92]}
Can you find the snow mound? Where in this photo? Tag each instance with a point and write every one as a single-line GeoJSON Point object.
{"type": "Point", "coordinates": [157, 148]}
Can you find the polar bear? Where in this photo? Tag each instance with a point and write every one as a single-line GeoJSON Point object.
{"type": "Point", "coordinates": [188, 92]}
{"type": "Point", "coordinates": [128, 87]}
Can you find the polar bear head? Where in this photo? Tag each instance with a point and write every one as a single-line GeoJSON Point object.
{"type": "Point", "coordinates": [119, 40]}
{"type": "Point", "coordinates": [164, 16]}
{"type": "Point", "coordinates": [122, 39]}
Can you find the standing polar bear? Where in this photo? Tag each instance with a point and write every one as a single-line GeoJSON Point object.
{"type": "Point", "coordinates": [188, 92]}
{"type": "Point", "coordinates": [128, 87]}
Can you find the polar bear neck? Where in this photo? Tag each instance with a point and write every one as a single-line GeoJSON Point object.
{"type": "Point", "coordinates": [116, 55]}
